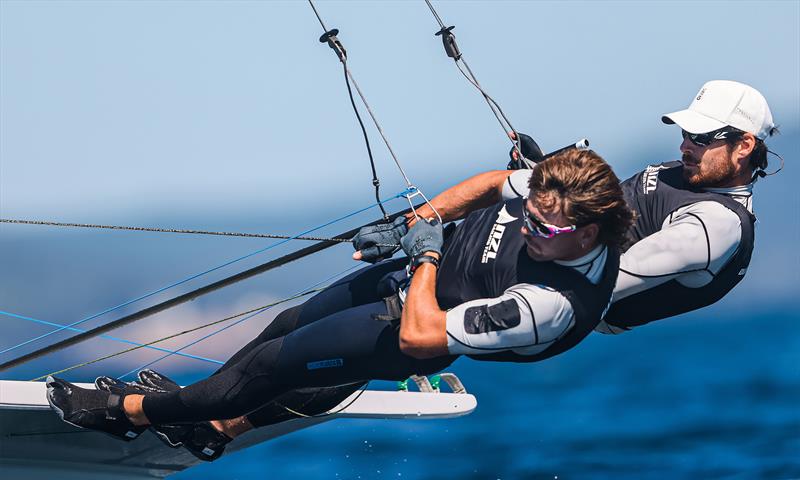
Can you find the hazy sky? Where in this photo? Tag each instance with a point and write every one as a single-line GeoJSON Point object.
{"type": "Point", "coordinates": [114, 108]}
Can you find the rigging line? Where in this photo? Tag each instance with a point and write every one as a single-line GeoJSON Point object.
{"type": "Point", "coordinates": [330, 37]}
{"type": "Point", "coordinates": [361, 391]}
{"type": "Point", "coordinates": [185, 280]}
{"type": "Point", "coordinates": [504, 122]}
{"type": "Point", "coordinates": [303, 252]}
{"type": "Point", "coordinates": [317, 14]}
{"type": "Point", "coordinates": [452, 50]}
{"type": "Point", "coordinates": [109, 337]}
{"type": "Point", "coordinates": [375, 180]}
{"type": "Point", "coordinates": [169, 337]}
{"type": "Point", "coordinates": [176, 230]}
{"type": "Point", "coordinates": [313, 288]}
{"type": "Point", "coordinates": [435, 14]}
{"type": "Point", "coordinates": [380, 130]}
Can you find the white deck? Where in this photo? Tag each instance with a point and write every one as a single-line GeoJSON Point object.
{"type": "Point", "coordinates": [35, 443]}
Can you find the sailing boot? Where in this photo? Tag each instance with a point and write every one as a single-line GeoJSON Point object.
{"type": "Point", "coordinates": [91, 409]}
{"type": "Point", "coordinates": [201, 439]}
{"type": "Point", "coordinates": [171, 435]}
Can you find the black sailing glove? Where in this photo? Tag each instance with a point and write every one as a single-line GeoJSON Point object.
{"type": "Point", "coordinates": [372, 240]}
{"type": "Point", "coordinates": [530, 150]}
{"type": "Point", "coordinates": [424, 236]}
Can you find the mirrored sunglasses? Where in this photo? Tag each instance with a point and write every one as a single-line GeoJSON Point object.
{"type": "Point", "coordinates": [706, 139]}
{"type": "Point", "coordinates": [538, 228]}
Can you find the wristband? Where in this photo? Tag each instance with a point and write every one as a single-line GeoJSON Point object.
{"type": "Point", "coordinates": [418, 260]}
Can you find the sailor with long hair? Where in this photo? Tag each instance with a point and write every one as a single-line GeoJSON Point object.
{"type": "Point", "coordinates": [518, 280]}
{"type": "Point", "coordinates": [693, 236]}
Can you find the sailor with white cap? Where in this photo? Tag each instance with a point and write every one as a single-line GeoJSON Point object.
{"type": "Point", "coordinates": [692, 241]}
{"type": "Point", "coordinates": [693, 238]}
{"type": "Point", "coordinates": [695, 232]}
{"type": "Point", "coordinates": [724, 103]}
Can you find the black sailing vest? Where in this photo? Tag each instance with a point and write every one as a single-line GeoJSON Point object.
{"type": "Point", "coordinates": [486, 255]}
{"type": "Point", "coordinates": [655, 193]}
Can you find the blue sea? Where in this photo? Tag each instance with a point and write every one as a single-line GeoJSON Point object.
{"type": "Point", "coordinates": [712, 394]}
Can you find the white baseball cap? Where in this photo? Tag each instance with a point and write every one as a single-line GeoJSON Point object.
{"type": "Point", "coordinates": [722, 103]}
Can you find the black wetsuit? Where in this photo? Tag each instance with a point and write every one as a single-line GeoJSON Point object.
{"type": "Point", "coordinates": [337, 338]}
{"type": "Point", "coordinates": [347, 334]}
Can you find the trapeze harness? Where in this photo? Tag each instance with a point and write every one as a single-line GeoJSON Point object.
{"type": "Point", "coordinates": [688, 247]}
{"type": "Point", "coordinates": [656, 194]}
{"type": "Point", "coordinates": [349, 333]}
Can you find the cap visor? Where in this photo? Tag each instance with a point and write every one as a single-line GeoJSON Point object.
{"type": "Point", "coordinates": [692, 121]}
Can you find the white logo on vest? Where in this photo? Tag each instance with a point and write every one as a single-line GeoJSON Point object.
{"type": "Point", "coordinates": [650, 178]}
{"type": "Point", "coordinates": [496, 235]}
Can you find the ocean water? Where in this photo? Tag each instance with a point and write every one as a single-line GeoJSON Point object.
{"type": "Point", "coordinates": [714, 394]}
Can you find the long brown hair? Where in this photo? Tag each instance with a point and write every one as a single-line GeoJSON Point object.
{"type": "Point", "coordinates": [588, 192]}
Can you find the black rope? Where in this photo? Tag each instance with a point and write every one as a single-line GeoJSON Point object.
{"type": "Point", "coordinates": [375, 181]}
{"type": "Point", "coordinates": [317, 14]}
{"type": "Point", "coordinates": [176, 230]}
{"type": "Point", "coordinates": [330, 37]}
{"type": "Point", "coordinates": [296, 255]}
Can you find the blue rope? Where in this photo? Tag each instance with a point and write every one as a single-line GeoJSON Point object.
{"type": "Point", "coordinates": [110, 337]}
{"type": "Point", "coordinates": [155, 292]}
{"type": "Point", "coordinates": [142, 367]}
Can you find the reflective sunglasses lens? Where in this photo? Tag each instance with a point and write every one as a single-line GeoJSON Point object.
{"type": "Point", "coordinates": [699, 139]}
{"type": "Point", "coordinates": [536, 227]}
{"type": "Point", "coordinates": [706, 139]}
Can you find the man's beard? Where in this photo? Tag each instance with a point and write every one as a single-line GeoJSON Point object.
{"type": "Point", "coordinates": [705, 174]}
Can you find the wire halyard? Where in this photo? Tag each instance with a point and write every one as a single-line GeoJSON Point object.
{"type": "Point", "coordinates": [331, 38]}
{"type": "Point", "coordinates": [452, 50]}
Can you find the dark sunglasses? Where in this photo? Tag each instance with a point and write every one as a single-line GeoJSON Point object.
{"type": "Point", "coordinates": [538, 228]}
{"type": "Point", "coordinates": [706, 139]}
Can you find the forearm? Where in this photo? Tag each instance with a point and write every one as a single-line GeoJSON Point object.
{"type": "Point", "coordinates": [422, 326]}
{"type": "Point", "coordinates": [456, 202]}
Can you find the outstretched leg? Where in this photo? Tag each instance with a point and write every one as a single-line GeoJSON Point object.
{"type": "Point", "coordinates": [367, 285]}
{"type": "Point", "coordinates": [345, 347]}
{"type": "Point", "coordinates": [364, 286]}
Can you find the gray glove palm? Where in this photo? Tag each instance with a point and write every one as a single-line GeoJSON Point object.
{"type": "Point", "coordinates": [372, 241]}
{"type": "Point", "coordinates": [424, 236]}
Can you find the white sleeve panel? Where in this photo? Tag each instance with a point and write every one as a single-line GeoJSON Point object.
{"type": "Point", "coordinates": [694, 243]}
{"type": "Point", "coordinates": [516, 185]}
{"type": "Point", "coordinates": [525, 319]}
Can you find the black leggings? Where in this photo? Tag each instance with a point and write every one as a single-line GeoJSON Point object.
{"type": "Point", "coordinates": [332, 339]}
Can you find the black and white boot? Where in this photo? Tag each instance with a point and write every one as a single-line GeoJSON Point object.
{"type": "Point", "coordinates": [201, 439]}
{"type": "Point", "coordinates": [171, 435]}
{"type": "Point", "coordinates": [92, 409]}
